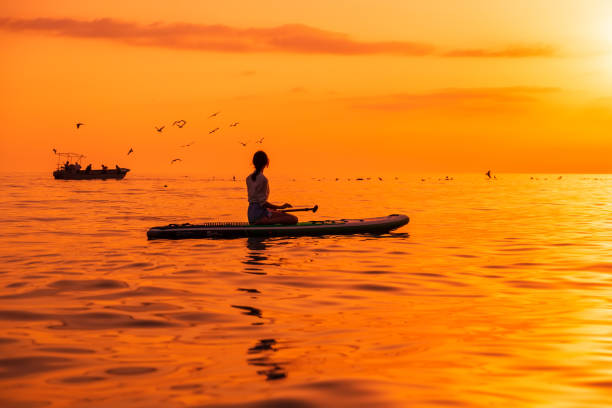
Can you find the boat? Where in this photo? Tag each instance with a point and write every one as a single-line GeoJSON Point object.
{"type": "Point", "coordinates": [69, 168]}
{"type": "Point", "coordinates": [117, 174]}
{"type": "Point", "coordinates": [377, 225]}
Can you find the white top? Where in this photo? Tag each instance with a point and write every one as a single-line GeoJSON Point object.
{"type": "Point", "coordinates": [258, 189]}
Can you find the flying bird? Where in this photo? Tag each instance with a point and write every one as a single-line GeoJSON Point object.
{"type": "Point", "coordinates": [488, 173]}
{"type": "Point", "coordinates": [54, 151]}
{"type": "Point", "coordinates": [213, 115]}
{"type": "Point", "coordinates": [131, 151]}
{"type": "Point", "coordinates": [175, 160]}
{"type": "Point", "coordinates": [79, 124]}
{"type": "Point", "coordinates": [243, 144]}
{"type": "Point", "coordinates": [188, 144]}
{"type": "Point", "coordinates": [260, 140]}
{"type": "Point", "coordinates": [159, 129]}
{"type": "Point", "coordinates": [213, 131]}
{"type": "Point", "coordinates": [179, 123]}
{"type": "Point", "coordinates": [234, 124]}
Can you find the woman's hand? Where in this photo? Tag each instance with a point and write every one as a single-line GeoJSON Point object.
{"type": "Point", "coordinates": [286, 205]}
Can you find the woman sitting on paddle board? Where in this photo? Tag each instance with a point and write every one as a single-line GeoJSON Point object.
{"type": "Point", "coordinates": [260, 210]}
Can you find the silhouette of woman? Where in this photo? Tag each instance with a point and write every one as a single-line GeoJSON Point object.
{"type": "Point", "coordinates": [260, 210]}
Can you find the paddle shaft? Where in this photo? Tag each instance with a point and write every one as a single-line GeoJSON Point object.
{"type": "Point", "coordinates": [313, 209]}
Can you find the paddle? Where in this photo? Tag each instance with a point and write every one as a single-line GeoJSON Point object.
{"type": "Point", "coordinates": [313, 209]}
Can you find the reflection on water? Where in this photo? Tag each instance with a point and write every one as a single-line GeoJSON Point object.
{"type": "Point", "coordinates": [272, 370]}
{"type": "Point", "coordinates": [256, 257]}
{"type": "Point", "coordinates": [496, 294]}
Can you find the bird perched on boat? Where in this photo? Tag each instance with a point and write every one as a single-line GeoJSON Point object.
{"type": "Point", "coordinates": [213, 115]}
{"type": "Point", "coordinates": [213, 131]}
{"type": "Point", "coordinates": [131, 151]}
{"type": "Point", "coordinates": [179, 123]}
{"type": "Point", "coordinates": [488, 173]}
{"type": "Point", "coordinates": [79, 124]}
{"type": "Point", "coordinates": [260, 141]}
{"type": "Point", "coordinates": [159, 129]}
{"type": "Point", "coordinates": [234, 124]}
{"type": "Point", "coordinates": [175, 160]}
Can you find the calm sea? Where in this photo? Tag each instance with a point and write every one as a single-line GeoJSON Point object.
{"type": "Point", "coordinates": [498, 293]}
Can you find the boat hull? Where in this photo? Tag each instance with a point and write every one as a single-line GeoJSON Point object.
{"type": "Point", "coordinates": [90, 175]}
{"type": "Point", "coordinates": [378, 225]}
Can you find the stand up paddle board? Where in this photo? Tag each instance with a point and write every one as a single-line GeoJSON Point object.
{"type": "Point", "coordinates": [242, 229]}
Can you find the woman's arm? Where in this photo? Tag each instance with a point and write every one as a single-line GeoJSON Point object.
{"type": "Point", "coordinates": [276, 207]}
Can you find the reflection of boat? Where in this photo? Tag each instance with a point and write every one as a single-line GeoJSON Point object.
{"type": "Point", "coordinates": [242, 229]}
{"type": "Point", "coordinates": [69, 168]}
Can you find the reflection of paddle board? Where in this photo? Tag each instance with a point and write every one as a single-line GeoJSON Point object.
{"type": "Point", "coordinates": [242, 229]}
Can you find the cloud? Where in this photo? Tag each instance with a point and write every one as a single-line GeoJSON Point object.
{"type": "Point", "coordinates": [289, 38]}
{"type": "Point", "coordinates": [298, 90]}
{"type": "Point", "coordinates": [457, 99]}
{"type": "Point", "coordinates": [509, 52]}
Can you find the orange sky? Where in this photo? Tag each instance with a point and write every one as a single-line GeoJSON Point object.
{"type": "Point", "coordinates": [332, 87]}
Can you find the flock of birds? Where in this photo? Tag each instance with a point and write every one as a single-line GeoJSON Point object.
{"type": "Point", "coordinates": [180, 124]}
